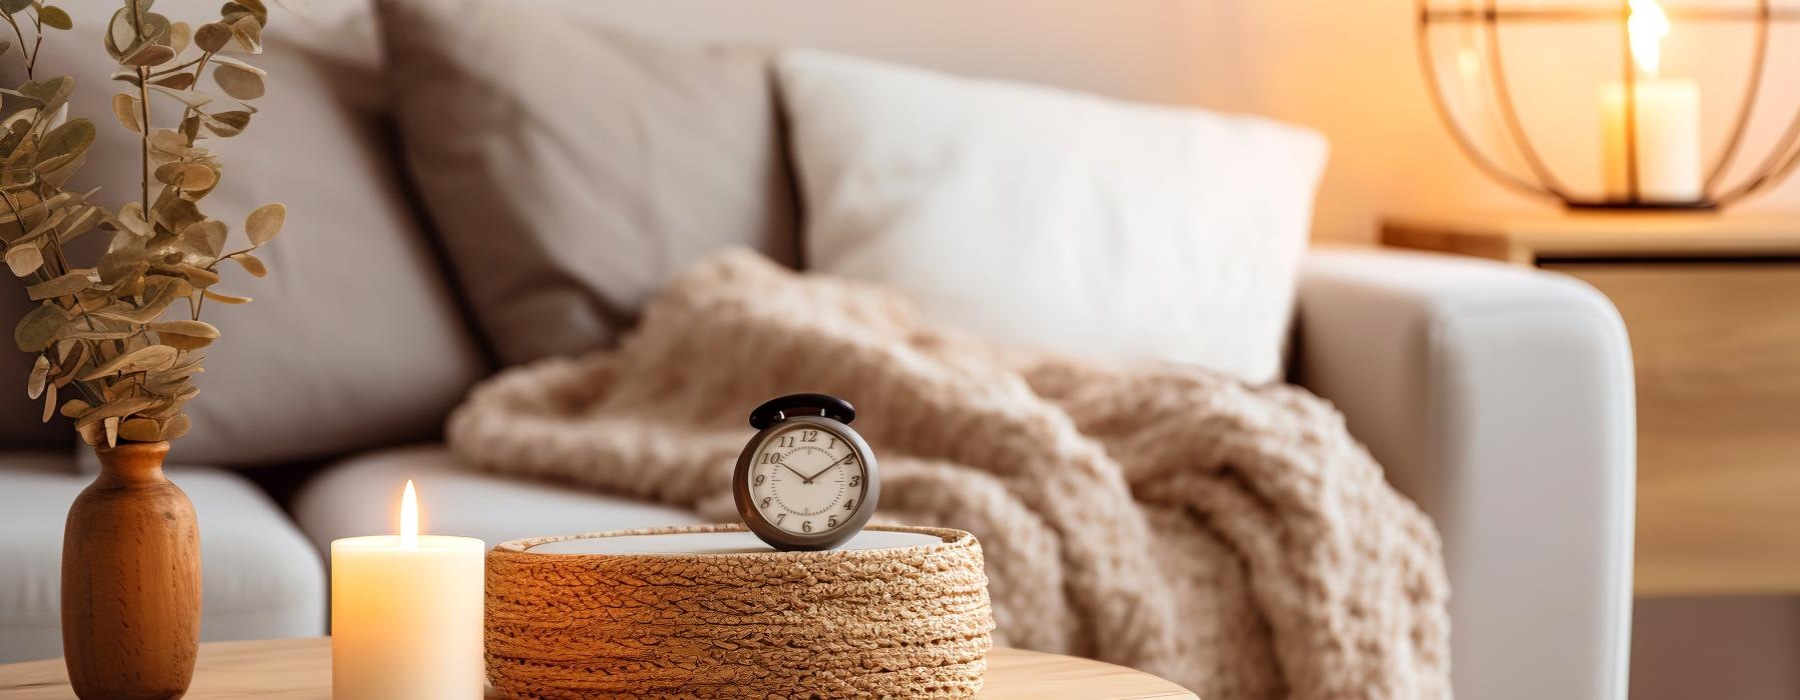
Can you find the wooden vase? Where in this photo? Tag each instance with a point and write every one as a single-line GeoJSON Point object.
{"type": "Point", "coordinates": [131, 580]}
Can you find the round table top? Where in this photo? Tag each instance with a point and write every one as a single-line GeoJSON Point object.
{"type": "Point", "coordinates": [300, 669]}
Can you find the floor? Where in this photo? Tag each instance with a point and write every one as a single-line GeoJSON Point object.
{"type": "Point", "coordinates": [1741, 648]}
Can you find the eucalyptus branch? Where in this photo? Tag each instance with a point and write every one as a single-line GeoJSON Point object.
{"type": "Point", "coordinates": [144, 137]}
{"type": "Point", "coordinates": [29, 57]}
{"type": "Point", "coordinates": [140, 365]}
{"type": "Point", "coordinates": [37, 45]}
{"type": "Point", "coordinates": [143, 74]}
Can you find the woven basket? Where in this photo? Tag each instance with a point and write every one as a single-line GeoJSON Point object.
{"type": "Point", "coordinates": [909, 621]}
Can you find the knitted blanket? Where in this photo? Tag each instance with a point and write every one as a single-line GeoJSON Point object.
{"type": "Point", "coordinates": [1234, 539]}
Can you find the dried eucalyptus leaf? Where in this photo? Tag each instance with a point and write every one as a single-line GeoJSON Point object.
{"type": "Point", "coordinates": [57, 171]}
{"type": "Point", "coordinates": [192, 329]}
{"type": "Point", "coordinates": [226, 298]}
{"type": "Point", "coordinates": [80, 223]}
{"type": "Point", "coordinates": [175, 81]}
{"type": "Point", "coordinates": [38, 328]}
{"type": "Point", "coordinates": [262, 224]}
{"type": "Point", "coordinates": [141, 430]}
{"type": "Point", "coordinates": [171, 142]}
{"type": "Point", "coordinates": [73, 137]}
{"type": "Point", "coordinates": [50, 93]}
{"type": "Point", "coordinates": [112, 431]}
{"type": "Point", "coordinates": [252, 264]}
{"type": "Point", "coordinates": [191, 98]}
{"type": "Point", "coordinates": [227, 124]}
{"type": "Point", "coordinates": [151, 358]}
{"type": "Point", "coordinates": [248, 35]}
{"type": "Point", "coordinates": [55, 18]}
{"type": "Point", "coordinates": [180, 35]}
{"type": "Point", "coordinates": [40, 376]}
{"type": "Point", "coordinates": [176, 426]}
{"type": "Point", "coordinates": [165, 295]}
{"type": "Point", "coordinates": [183, 342]}
{"type": "Point", "coordinates": [125, 107]}
{"type": "Point", "coordinates": [175, 213]}
{"type": "Point", "coordinates": [119, 265]}
{"type": "Point", "coordinates": [65, 372]}
{"type": "Point", "coordinates": [187, 175]}
{"type": "Point", "coordinates": [74, 408]}
{"type": "Point", "coordinates": [205, 238]}
{"type": "Point", "coordinates": [43, 227]}
{"type": "Point", "coordinates": [156, 27]}
{"type": "Point", "coordinates": [132, 217]}
{"type": "Point", "coordinates": [238, 83]}
{"type": "Point", "coordinates": [212, 36]}
{"type": "Point", "coordinates": [49, 403]}
{"type": "Point", "coordinates": [196, 277]}
{"type": "Point", "coordinates": [149, 55]}
{"type": "Point", "coordinates": [91, 433]}
{"type": "Point", "coordinates": [61, 285]}
{"type": "Point", "coordinates": [121, 390]}
{"type": "Point", "coordinates": [24, 258]}
{"type": "Point", "coordinates": [254, 8]}
{"type": "Point", "coordinates": [72, 331]}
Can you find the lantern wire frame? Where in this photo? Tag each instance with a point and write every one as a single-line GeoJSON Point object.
{"type": "Point", "coordinates": [1538, 179]}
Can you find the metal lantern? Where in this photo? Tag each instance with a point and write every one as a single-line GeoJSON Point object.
{"type": "Point", "coordinates": [1649, 162]}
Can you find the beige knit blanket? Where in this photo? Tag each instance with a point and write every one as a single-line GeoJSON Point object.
{"type": "Point", "coordinates": [1233, 539]}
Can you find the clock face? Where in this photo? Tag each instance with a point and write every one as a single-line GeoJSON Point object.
{"type": "Point", "coordinates": [807, 480]}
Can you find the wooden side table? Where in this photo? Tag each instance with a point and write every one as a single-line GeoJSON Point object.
{"type": "Point", "coordinates": [300, 669]}
{"type": "Point", "coordinates": [1712, 304]}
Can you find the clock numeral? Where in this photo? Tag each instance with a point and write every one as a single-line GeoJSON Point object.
{"type": "Point", "coordinates": [780, 517]}
{"type": "Point", "coordinates": [856, 481]}
{"type": "Point", "coordinates": [759, 479]}
{"type": "Point", "coordinates": [850, 504]}
{"type": "Point", "coordinates": [833, 444]}
{"type": "Point", "coordinates": [787, 441]}
{"type": "Point", "coordinates": [831, 522]}
{"type": "Point", "coordinates": [765, 501]}
{"type": "Point", "coordinates": [769, 457]}
{"type": "Point", "coordinates": [810, 436]}
{"type": "Point", "coordinates": [806, 526]}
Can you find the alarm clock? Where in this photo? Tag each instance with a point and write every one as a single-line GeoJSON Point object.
{"type": "Point", "coordinates": [806, 481]}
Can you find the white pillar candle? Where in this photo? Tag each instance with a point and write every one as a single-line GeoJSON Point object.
{"type": "Point", "coordinates": [1660, 132]}
{"type": "Point", "coordinates": [1668, 140]}
{"type": "Point", "coordinates": [406, 614]}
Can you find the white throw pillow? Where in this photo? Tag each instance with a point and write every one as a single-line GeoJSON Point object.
{"type": "Point", "coordinates": [1067, 221]}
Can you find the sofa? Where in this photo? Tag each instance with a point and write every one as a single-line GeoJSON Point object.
{"type": "Point", "coordinates": [1498, 398]}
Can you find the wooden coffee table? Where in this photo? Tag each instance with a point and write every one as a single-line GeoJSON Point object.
{"type": "Point", "coordinates": [300, 669]}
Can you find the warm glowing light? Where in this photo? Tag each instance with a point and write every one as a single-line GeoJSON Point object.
{"type": "Point", "coordinates": [409, 517]}
{"type": "Point", "coordinates": [1647, 26]}
{"type": "Point", "coordinates": [1468, 62]}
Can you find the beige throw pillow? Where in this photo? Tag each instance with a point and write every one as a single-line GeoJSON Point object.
{"type": "Point", "coordinates": [571, 168]}
{"type": "Point", "coordinates": [1046, 217]}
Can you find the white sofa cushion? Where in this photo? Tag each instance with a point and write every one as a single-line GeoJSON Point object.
{"type": "Point", "coordinates": [361, 495]}
{"type": "Point", "coordinates": [1052, 218]}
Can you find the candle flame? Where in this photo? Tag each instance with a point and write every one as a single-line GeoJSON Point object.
{"type": "Point", "coordinates": [1647, 25]}
{"type": "Point", "coordinates": [409, 517]}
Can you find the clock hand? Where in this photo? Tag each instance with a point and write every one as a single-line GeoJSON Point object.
{"type": "Point", "coordinates": [797, 473]}
{"type": "Point", "coordinates": [829, 467]}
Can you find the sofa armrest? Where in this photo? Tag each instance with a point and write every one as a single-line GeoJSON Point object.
{"type": "Point", "coordinates": [1500, 399]}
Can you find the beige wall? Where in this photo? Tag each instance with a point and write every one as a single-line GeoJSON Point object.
{"type": "Point", "coordinates": [1345, 67]}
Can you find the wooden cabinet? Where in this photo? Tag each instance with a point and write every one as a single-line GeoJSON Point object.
{"type": "Point", "coordinates": [1712, 305]}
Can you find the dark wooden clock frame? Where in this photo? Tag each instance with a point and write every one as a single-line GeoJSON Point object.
{"type": "Point", "coordinates": [788, 541]}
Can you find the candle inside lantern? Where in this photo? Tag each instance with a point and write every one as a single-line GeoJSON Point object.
{"type": "Point", "coordinates": [1666, 115]}
{"type": "Point", "coordinates": [406, 614]}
